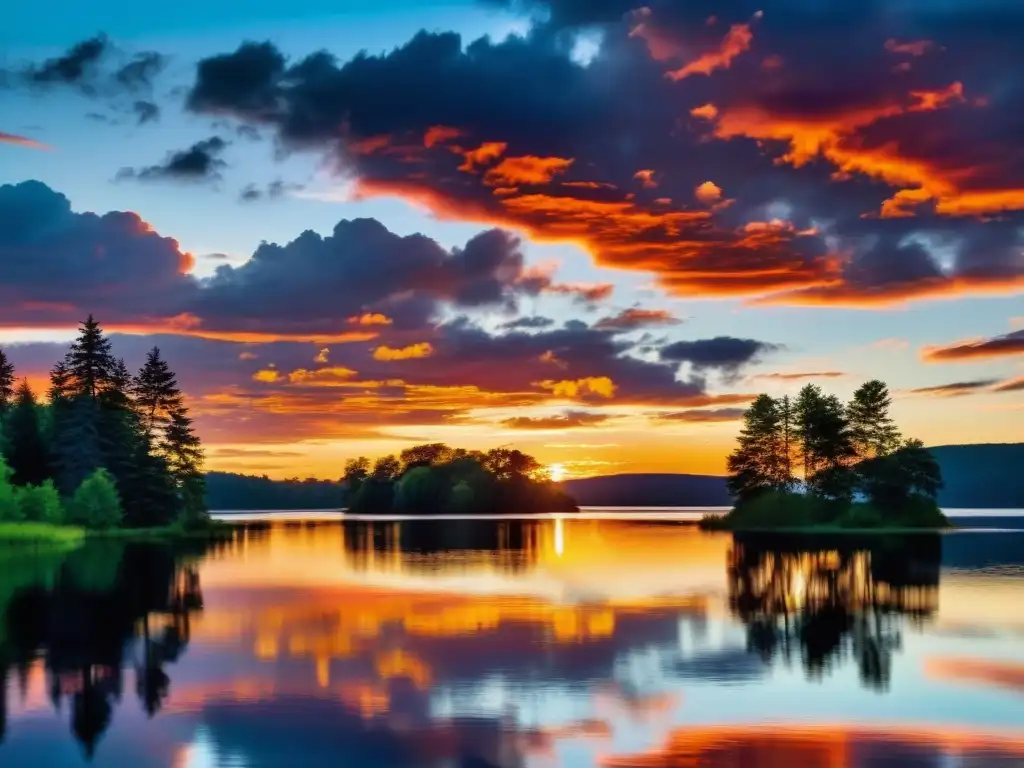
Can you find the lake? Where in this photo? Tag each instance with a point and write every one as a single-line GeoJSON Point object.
{"type": "Point", "coordinates": [561, 641]}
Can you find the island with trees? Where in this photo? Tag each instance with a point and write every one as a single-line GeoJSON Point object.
{"type": "Point", "coordinates": [104, 451]}
{"type": "Point", "coordinates": [855, 469]}
{"type": "Point", "coordinates": [437, 479]}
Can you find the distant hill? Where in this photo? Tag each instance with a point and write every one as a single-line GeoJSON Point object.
{"type": "Point", "coordinates": [986, 476]}
{"type": "Point", "coordinates": [229, 491]}
{"type": "Point", "coordinates": [649, 491]}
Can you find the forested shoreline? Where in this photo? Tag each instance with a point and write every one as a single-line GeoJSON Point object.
{"type": "Point", "coordinates": [816, 461]}
{"type": "Point", "coordinates": [104, 448]}
{"type": "Point", "coordinates": [435, 478]}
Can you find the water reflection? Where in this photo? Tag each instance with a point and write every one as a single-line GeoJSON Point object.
{"type": "Point", "coordinates": [75, 616]}
{"type": "Point", "coordinates": [510, 643]}
{"type": "Point", "coordinates": [833, 599]}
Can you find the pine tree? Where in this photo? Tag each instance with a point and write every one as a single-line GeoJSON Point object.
{"type": "Point", "coordinates": [6, 384]}
{"type": "Point", "coordinates": [786, 427]}
{"type": "Point", "coordinates": [89, 360]}
{"type": "Point", "coordinates": [809, 403]}
{"type": "Point", "coordinates": [759, 464]}
{"type": "Point", "coordinates": [185, 459]}
{"type": "Point", "coordinates": [26, 448]}
{"type": "Point", "coordinates": [872, 429]}
{"type": "Point", "coordinates": [76, 448]}
{"type": "Point", "coordinates": [156, 394]}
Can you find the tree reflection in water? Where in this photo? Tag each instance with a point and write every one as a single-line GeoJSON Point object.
{"type": "Point", "coordinates": [833, 599]}
{"type": "Point", "coordinates": [81, 617]}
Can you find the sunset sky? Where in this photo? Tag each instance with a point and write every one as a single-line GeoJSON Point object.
{"type": "Point", "coordinates": [582, 228]}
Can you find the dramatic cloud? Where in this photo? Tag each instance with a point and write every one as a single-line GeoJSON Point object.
{"type": "Point", "coordinates": [724, 353]}
{"type": "Point", "coordinates": [567, 420]}
{"type": "Point", "coordinates": [352, 285]}
{"type": "Point", "coordinates": [200, 162]}
{"type": "Point", "coordinates": [998, 346]}
{"type": "Point", "coordinates": [956, 389]}
{"type": "Point", "coordinates": [633, 318]}
{"type": "Point", "coordinates": [848, 184]}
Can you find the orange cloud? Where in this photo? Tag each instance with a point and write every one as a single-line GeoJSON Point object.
{"type": "Point", "coordinates": [839, 294]}
{"type": "Point", "coordinates": [22, 141]}
{"type": "Point", "coordinates": [266, 376]}
{"type": "Point", "coordinates": [834, 137]}
{"type": "Point", "coordinates": [592, 292]}
{"type": "Point", "coordinates": [190, 325]}
{"type": "Point", "coordinates": [412, 352]}
{"type": "Point", "coordinates": [977, 349]}
{"type": "Point", "coordinates": [708, 193]}
{"type": "Point", "coordinates": [736, 41]}
{"type": "Point", "coordinates": [486, 153]}
{"type": "Point", "coordinates": [705, 112]}
{"type": "Point", "coordinates": [321, 356]}
{"type": "Point", "coordinates": [526, 170]}
{"type": "Point", "coordinates": [303, 376]}
{"type": "Point", "coordinates": [646, 177]}
{"type": "Point", "coordinates": [438, 134]}
{"type": "Point", "coordinates": [595, 385]}
{"type": "Point", "coordinates": [589, 185]}
{"type": "Point", "coordinates": [370, 318]}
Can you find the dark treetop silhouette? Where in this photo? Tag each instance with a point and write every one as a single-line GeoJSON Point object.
{"type": "Point", "coordinates": [105, 448]}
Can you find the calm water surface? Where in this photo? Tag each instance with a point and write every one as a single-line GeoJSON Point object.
{"type": "Point", "coordinates": [484, 643]}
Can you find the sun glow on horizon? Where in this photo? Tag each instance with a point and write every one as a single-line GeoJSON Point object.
{"type": "Point", "coordinates": [557, 471]}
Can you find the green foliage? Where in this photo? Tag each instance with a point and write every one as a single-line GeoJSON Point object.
{"type": "Point", "coordinates": [95, 503]}
{"type": "Point", "coordinates": [843, 450]}
{"type": "Point", "coordinates": [761, 462]}
{"type": "Point", "coordinates": [10, 510]}
{"type": "Point", "coordinates": [41, 503]}
{"type": "Point", "coordinates": [462, 500]}
{"type": "Point", "coordinates": [6, 383]}
{"type": "Point", "coordinates": [420, 491]}
{"type": "Point", "coordinates": [25, 448]}
{"type": "Point", "coordinates": [872, 429]}
{"type": "Point", "coordinates": [435, 478]}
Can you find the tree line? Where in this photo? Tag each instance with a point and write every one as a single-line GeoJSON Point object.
{"type": "Point", "coordinates": [105, 448]}
{"type": "Point", "coordinates": [835, 451]}
{"type": "Point", "coordinates": [435, 478]}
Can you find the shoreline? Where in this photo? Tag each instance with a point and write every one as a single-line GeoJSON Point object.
{"type": "Point", "coordinates": [33, 533]}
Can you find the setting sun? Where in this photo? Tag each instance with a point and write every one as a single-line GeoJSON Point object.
{"type": "Point", "coordinates": [557, 472]}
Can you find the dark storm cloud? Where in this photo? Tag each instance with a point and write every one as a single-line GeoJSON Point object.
{"type": "Point", "coordinates": [200, 162]}
{"type": "Point", "coordinates": [723, 353]}
{"type": "Point", "coordinates": [139, 73]}
{"type": "Point", "coordinates": [975, 349]}
{"type": "Point", "coordinates": [61, 265]}
{"type": "Point", "coordinates": [794, 155]}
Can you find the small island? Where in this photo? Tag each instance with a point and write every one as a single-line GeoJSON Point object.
{"type": "Point", "coordinates": [105, 453]}
{"type": "Point", "coordinates": [437, 479]}
{"type": "Point", "coordinates": [856, 471]}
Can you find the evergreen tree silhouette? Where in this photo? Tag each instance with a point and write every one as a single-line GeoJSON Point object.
{"type": "Point", "coordinates": [6, 383]}
{"type": "Point", "coordinates": [156, 394]}
{"type": "Point", "coordinates": [89, 360]}
{"type": "Point", "coordinates": [26, 449]}
{"type": "Point", "coordinates": [185, 457]}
